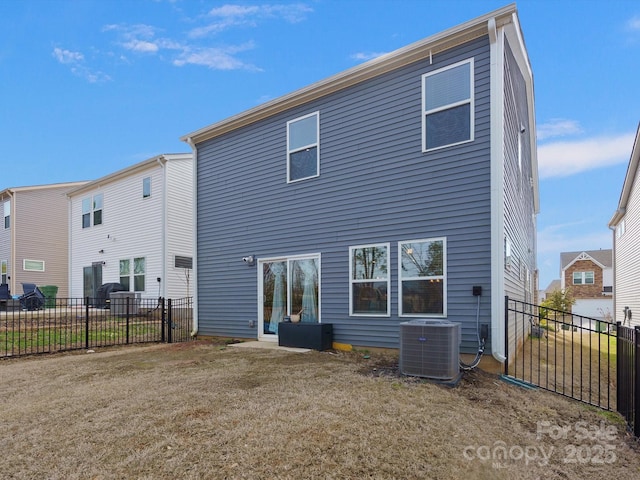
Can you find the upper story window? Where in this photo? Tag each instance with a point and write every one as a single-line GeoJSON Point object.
{"type": "Point", "coordinates": [369, 280]}
{"type": "Point", "coordinates": [583, 278]}
{"type": "Point", "coordinates": [422, 277]}
{"type": "Point", "coordinates": [92, 206]}
{"type": "Point", "coordinates": [448, 106]}
{"type": "Point", "coordinates": [7, 214]}
{"type": "Point", "coordinates": [303, 147]}
{"type": "Point", "coordinates": [146, 187]}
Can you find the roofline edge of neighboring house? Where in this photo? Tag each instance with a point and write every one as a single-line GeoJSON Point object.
{"type": "Point", "coordinates": [113, 176]}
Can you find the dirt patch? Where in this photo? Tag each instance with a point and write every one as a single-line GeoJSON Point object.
{"type": "Point", "coordinates": [206, 410]}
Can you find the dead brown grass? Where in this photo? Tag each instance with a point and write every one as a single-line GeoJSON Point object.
{"type": "Point", "coordinates": [207, 411]}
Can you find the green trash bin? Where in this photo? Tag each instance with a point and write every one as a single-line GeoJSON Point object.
{"type": "Point", "coordinates": [49, 292]}
{"type": "Point", "coordinates": [601, 326]}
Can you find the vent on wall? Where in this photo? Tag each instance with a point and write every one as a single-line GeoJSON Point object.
{"type": "Point", "coordinates": [430, 349]}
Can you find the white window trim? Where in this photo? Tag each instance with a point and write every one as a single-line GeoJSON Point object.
{"type": "Point", "coordinates": [470, 101]}
{"type": "Point", "coordinates": [285, 258]}
{"type": "Point", "coordinates": [352, 281]}
{"type": "Point", "coordinates": [583, 278]}
{"type": "Point", "coordinates": [316, 144]}
{"type": "Point", "coordinates": [24, 265]}
{"type": "Point", "coordinates": [443, 277]}
{"type": "Point", "coordinates": [145, 180]}
{"type": "Point", "coordinates": [7, 213]}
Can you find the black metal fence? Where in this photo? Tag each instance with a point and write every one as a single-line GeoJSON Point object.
{"type": "Point", "coordinates": [568, 354]}
{"type": "Point", "coordinates": [65, 324]}
{"type": "Point", "coordinates": [628, 375]}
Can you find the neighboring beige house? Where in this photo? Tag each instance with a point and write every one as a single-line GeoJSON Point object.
{"type": "Point", "coordinates": [134, 227]}
{"type": "Point", "coordinates": [552, 287]}
{"type": "Point", "coordinates": [626, 243]}
{"type": "Point", "coordinates": [34, 236]}
{"type": "Point", "coordinates": [589, 276]}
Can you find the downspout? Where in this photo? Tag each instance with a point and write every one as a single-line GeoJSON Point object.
{"type": "Point", "coordinates": [165, 198]}
{"type": "Point", "coordinates": [12, 241]}
{"type": "Point", "coordinates": [614, 268]}
{"type": "Point", "coordinates": [497, 195]}
{"type": "Point", "coordinates": [69, 249]}
{"type": "Point", "coordinates": [194, 331]}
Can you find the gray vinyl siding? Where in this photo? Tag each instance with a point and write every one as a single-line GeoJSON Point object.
{"type": "Point", "coordinates": [375, 185]}
{"type": "Point", "coordinates": [518, 207]}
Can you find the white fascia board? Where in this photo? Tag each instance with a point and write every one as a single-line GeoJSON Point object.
{"type": "Point", "coordinates": [404, 56]}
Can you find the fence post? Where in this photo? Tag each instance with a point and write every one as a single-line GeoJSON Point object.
{"type": "Point", "coordinates": [506, 334]}
{"type": "Point", "coordinates": [127, 319]}
{"type": "Point", "coordinates": [163, 320]}
{"type": "Point", "coordinates": [636, 382]}
{"type": "Point", "coordinates": [169, 322]}
{"type": "Point", "coordinates": [618, 366]}
{"type": "Point", "coordinates": [86, 323]}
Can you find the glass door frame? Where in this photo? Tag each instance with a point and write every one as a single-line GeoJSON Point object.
{"type": "Point", "coordinates": [260, 293]}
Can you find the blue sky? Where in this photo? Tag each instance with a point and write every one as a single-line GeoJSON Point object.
{"type": "Point", "coordinates": [89, 87]}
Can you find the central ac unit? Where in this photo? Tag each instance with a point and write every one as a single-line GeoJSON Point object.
{"type": "Point", "coordinates": [430, 349]}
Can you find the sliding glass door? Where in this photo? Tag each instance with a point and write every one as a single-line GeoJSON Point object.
{"type": "Point", "coordinates": [288, 286]}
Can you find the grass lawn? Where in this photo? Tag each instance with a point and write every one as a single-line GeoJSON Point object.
{"type": "Point", "coordinates": [204, 410]}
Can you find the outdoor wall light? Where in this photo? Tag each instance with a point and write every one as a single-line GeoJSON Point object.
{"type": "Point", "coordinates": [100, 251]}
{"type": "Point", "coordinates": [250, 260]}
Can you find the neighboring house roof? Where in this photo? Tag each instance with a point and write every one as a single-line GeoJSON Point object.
{"type": "Point", "coordinates": [629, 179]}
{"type": "Point", "coordinates": [7, 192]}
{"type": "Point", "coordinates": [604, 258]}
{"type": "Point", "coordinates": [112, 177]}
{"type": "Point", "coordinates": [553, 286]}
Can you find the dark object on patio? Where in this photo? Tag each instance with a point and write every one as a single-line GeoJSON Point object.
{"type": "Point", "coordinates": [103, 296]}
{"type": "Point", "coordinates": [4, 292]}
{"type": "Point", "coordinates": [32, 298]}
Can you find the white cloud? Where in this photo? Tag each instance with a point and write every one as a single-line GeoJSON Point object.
{"type": "Point", "coordinates": [141, 46]}
{"type": "Point", "coordinates": [558, 127]}
{"type": "Point", "coordinates": [215, 58]}
{"type": "Point", "coordinates": [561, 159]}
{"type": "Point", "coordinates": [366, 55]}
{"type": "Point", "coordinates": [67, 56]}
{"type": "Point", "coordinates": [76, 62]}
{"type": "Point", "coordinates": [228, 16]}
{"type": "Point", "coordinates": [634, 23]}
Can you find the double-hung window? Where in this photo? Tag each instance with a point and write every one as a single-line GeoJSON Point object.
{"type": "Point", "coordinates": [125, 272]}
{"type": "Point", "coordinates": [139, 270]}
{"type": "Point", "coordinates": [92, 206]}
{"type": "Point", "coordinates": [448, 106]}
{"type": "Point", "coordinates": [303, 147]}
{"type": "Point", "coordinates": [146, 187]}
{"type": "Point", "coordinates": [583, 278]}
{"type": "Point", "coordinates": [369, 280]}
{"type": "Point", "coordinates": [422, 277]}
{"type": "Point", "coordinates": [7, 214]}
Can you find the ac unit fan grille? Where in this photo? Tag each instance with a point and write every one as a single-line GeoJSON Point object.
{"type": "Point", "coordinates": [430, 349]}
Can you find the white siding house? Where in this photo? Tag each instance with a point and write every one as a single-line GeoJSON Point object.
{"type": "Point", "coordinates": [626, 243]}
{"type": "Point", "coordinates": [133, 227]}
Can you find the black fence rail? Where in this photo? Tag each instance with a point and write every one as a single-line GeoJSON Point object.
{"type": "Point", "coordinates": [65, 324]}
{"type": "Point", "coordinates": [628, 375]}
{"type": "Point", "coordinates": [568, 354]}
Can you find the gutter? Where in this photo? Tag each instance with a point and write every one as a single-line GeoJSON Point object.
{"type": "Point", "coordinates": [194, 330]}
